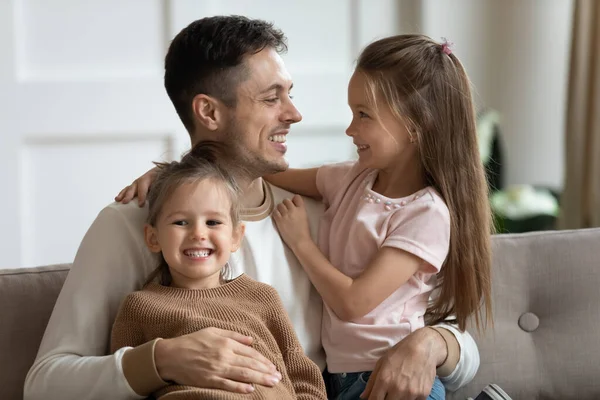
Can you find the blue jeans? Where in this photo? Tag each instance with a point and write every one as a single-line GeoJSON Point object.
{"type": "Point", "coordinates": [349, 386]}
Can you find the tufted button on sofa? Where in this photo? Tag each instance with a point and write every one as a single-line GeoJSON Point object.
{"type": "Point", "coordinates": [545, 342]}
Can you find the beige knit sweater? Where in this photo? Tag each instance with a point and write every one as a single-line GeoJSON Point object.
{"type": "Point", "coordinates": [241, 305]}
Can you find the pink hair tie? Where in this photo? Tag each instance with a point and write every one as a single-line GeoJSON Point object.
{"type": "Point", "coordinates": [447, 46]}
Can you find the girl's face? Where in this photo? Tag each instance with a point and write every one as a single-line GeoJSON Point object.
{"type": "Point", "coordinates": [195, 233]}
{"type": "Point", "coordinates": [381, 139]}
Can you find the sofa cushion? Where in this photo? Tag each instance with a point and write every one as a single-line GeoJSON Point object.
{"type": "Point", "coordinates": [545, 342]}
{"type": "Point", "coordinates": [27, 297]}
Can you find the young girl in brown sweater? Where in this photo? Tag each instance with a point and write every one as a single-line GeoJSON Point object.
{"type": "Point", "coordinates": [193, 226]}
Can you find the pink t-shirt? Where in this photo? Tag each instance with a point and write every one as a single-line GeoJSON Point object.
{"type": "Point", "coordinates": [356, 224]}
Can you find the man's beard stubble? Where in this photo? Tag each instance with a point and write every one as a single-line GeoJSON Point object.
{"type": "Point", "coordinates": [251, 164]}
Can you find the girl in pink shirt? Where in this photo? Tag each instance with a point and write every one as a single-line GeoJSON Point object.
{"type": "Point", "coordinates": [410, 216]}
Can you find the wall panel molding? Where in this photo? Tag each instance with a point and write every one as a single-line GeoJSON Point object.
{"type": "Point", "coordinates": [65, 183]}
{"type": "Point", "coordinates": [62, 40]}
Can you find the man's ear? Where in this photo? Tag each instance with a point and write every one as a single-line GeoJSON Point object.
{"type": "Point", "coordinates": [151, 238]}
{"type": "Point", "coordinates": [237, 236]}
{"type": "Point", "coordinates": [208, 111]}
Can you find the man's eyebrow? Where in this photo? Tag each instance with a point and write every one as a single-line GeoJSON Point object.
{"type": "Point", "coordinates": [276, 86]}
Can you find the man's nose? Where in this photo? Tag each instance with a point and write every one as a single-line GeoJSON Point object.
{"type": "Point", "coordinates": [291, 114]}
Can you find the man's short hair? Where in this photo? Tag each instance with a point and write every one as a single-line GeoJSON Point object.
{"type": "Point", "coordinates": [207, 57]}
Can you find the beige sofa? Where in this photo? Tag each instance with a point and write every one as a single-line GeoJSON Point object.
{"type": "Point", "coordinates": [544, 344]}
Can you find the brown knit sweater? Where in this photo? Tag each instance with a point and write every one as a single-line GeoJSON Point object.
{"type": "Point", "coordinates": [241, 305]}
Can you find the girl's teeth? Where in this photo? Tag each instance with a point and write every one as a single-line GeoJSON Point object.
{"type": "Point", "coordinates": [199, 253]}
{"type": "Point", "coordinates": [277, 138]}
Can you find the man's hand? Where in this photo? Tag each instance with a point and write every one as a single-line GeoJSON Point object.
{"type": "Point", "coordinates": [214, 358]}
{"type": "Point", "coordinates": [407, 370]}
{"type": "Point", "coordinates": [139, 188]}
{"type": "Point", "coordinates": [292, 221]}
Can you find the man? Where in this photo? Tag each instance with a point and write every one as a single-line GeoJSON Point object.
{"type": "Point", "coordinates": [228, 83]}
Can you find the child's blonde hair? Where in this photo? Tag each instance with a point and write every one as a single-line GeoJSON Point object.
{"type": "Point", "coordinates": [426, 86]}
{"type": "Point", "coordinates": [199, 164]}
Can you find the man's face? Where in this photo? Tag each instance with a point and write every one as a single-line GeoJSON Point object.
{"type": "Point", "coordinates": [258, 125]}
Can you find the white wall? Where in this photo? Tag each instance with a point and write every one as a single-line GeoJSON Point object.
{"type": "Point", "coordinates": [516, 53]}
{"type": "Point", "coordinates": [83, 111]}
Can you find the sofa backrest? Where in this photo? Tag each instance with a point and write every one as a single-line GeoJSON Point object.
{"type": "Point", "coordinates": [27, 297]}
{"type": "Point", "coordinates": [545, 342]}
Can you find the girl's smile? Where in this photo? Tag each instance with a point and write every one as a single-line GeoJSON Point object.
{"type": "Point", "coordinates": [195, 234]}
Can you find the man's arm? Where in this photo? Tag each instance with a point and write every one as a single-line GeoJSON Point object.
{"type": "Point", "coordinates": [111, 262]}
{"type": "Point", "coordinates": [409, 368]}
{"type": "Point", "coordinates": [462, 362]}
{"type": "Point", "coordinates": [71, 361]}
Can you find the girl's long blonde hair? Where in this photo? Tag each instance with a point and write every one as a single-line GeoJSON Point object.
{"type": "Point", "coordinates": [426, 86]}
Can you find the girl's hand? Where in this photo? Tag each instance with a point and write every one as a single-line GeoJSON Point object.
{"type": "Point", "coordinates": [139, 188]}
{"type": "Point", "coordinates": [292, 221]}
